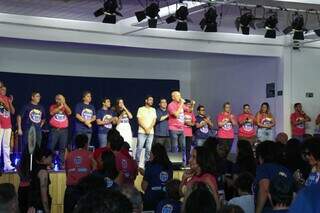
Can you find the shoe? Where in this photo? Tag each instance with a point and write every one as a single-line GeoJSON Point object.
{"type": "Point", "coordinates": [9, 168]}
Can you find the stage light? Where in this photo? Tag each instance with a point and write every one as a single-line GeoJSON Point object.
{"type": "Point", "coordinates": [181, 17]}
{"type": "Point", "coordinates": [245, 21]}
{"type": "Point", "coordinates": [271, 26]}
{"type": "Point", "coordinates": [109, 9]}
{"type": "Point", "coordinates": [151, 12]}
{"type": "Point", "coordinates": [317, 32]}
{"type": "Point", "coordinates": [209, 23]}
{"type": "Point", "coordinates": [297, 26]}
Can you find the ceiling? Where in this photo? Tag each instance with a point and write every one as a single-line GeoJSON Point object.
{"type": "Point", "coordinates": [83, 10]}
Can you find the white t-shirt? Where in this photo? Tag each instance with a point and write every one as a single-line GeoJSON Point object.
{"type": "Point", "coordinates": [246, 202]}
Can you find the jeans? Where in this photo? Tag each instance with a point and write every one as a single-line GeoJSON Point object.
{"type": "Point", "coordinates": [178, 140]}
{"type": "Point", "coordinates": [188, 148]}
{"type": "Point", "coordinates": [59, 136]}
{"type": "Point", "coordinates": [102, 139]}
{"type": "Point", "coordinates": [165, 141]}
{"type": "Point", "coordinates": [144, 140]}
{"type": "Point", "coordinates": [200, 142]}
{"type": "Point", "coordinates": [264, 134]}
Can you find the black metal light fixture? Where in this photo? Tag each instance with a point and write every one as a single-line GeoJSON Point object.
{"type": "Point", "coordinates": [271, 26]}
{"type": "Point", "coordinates": [209, 23]}
{"type": "Point", "coordinates": [181, 17]}
{"type": "Point", "coordinates": [109, 9]}
{"type": "Point", "coordinates": [297, 26]}
{"type": "Point", "coordinates": [151, 12]}
{"type": "Point", "coordinates": [245, 21]}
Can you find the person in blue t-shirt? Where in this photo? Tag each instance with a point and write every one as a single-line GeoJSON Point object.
{"type": "Point", "coordinates": [105, 119]}
{"type": "Point", "coordinates": [172, 203]}
{"type": "Point", "coordinates": [312, 155]}
{"type": "Point", "coordinates": [158, 171]}
{"type": "Point", "coordinates": [161, 131]}
{"type": "Point", "coordinates": [31, 114]}
{"type": "Point", "coordinates": [85, 115]}
{"type": "Point", "coordinates": [269, 155]}
{"type": "Point", "coordinates": [203, 126]}
{"type": "Point", "coordinates": [307, 200]}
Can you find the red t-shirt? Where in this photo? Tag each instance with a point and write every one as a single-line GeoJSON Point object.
{"type": "Point", "coordinates": [204, 178]}
{"type": "Point", "coordinates": [188, 116]}
{"type": "Point", "coordinates": [264, 119]}
{"type": "Point", "coordinates": [299, 129]}
{"type": "Point", "coordinates": [78, 165]}
{"type": "Point", "coordinates": [60, 119]}
{"type": "Point", "coordinates": [176, 123]}
{"type": "Point", "coordinates": [226, 131]}
{"type": "Point", "coordinates": [246, 130]}
{"type": "Point", "coordinates": [127, 167]}
{"type": "Point", "coordinates": [5, 118]}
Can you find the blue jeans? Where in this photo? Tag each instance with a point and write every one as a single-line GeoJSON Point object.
{"type": "Point", "coordinates": [178, 140]}
{"type": "Point", "coordinates": [144, 140]}
{"type": "Point", "coordinates": [102, 139]}
{"type": "Point", "coordinates": [264, 134]}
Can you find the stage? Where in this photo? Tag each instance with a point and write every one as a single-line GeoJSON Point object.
{"type": "Point", "coordinates": [58, 185]}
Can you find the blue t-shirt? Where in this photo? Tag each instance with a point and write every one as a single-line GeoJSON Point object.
{"type": "Point", "coordinates": [161, 128]}
{"type": "Point", "coordinates": [203, 132]}
{"type": "Point", "coordinates": [32, 115]}
{"type": "Point", "coordinates": [307, 200]}
{"type": "Point", "coordinates": [87, 111]}
{"type": "Point", "coordinates": [157, 177]}
{"type": "Point", "coordinates": [103, 115]}
{"type": "Point", "coordinates": [314, 178]}
{"type": "Point", "coordinates": [169, 206]}
{"type": "Point", "coordinates": [277, 211]}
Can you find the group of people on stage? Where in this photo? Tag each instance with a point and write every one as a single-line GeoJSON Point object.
{"type": "Point", "coordinates": [173, 125]}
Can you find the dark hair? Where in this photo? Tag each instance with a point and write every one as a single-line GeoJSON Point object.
{"type": "Point", "coordinates": [147, 97]}
{"type": "Point", "coordinates": [265, 104]}
{"type": "Point", "coordinates": [7, 195]}
{"type": "Point", "coordinates": [281, 190]}
{"type": "Point", "coordinates": [115, 140]}
{"type": "Point", "coordinates": [199, 107]}
{"type": "Point", "coordinates": [210, 145]}
{"type": "Point", "coordinates": [172, 189]}
{"type": "Point", "coordinates": [200, 198]}
{"type": "Point", "coordinates": [313, 146]}
{"type": "Point", "coordinates": [86, 92]}
{"type": "Point", "coordinates": [245, 105]}
{"type": "Point", "coordinates": [101, 201]}
{"type": "Point", "coordinates": [226, 103]}
{"type": "Point", "coordinates": [81, 141]}
{"type": "Point", "coordinates": [109, 168]}
{"type": "Point", "coordinates": [205, 160]}
{"type": "Point", "coordinates": [245, 158]}
{"type": "Point", "coordinates": [231, 209]}
{"type": "Point", "coordinates": [104, 99]}
{"type": "Point", "coordinates": [35, 92]}
{"type": "Point", "coordinates": [133, 195]}
{"type": "Point", "coordinates": [296, 105]}
{"type": "Point", "coordinates": [117, 109]}
{"type": "Point", "coordinates": [160, 156]}
{"type": "Point", "coordinates": [187, 101]}
{"type": "Point", "coordinates": [267, 151]}
{"type": "Point", "coordinates": [294, 159]}
{"type": "Point", "coordinates": [39, 153]}
{"type": "Point", "coordinates": [244, 182]}
{"type": "Point", "coordinates": [89, 183]}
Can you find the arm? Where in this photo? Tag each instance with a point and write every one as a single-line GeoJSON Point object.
{"type": "Point", "coordinates": [262, 194]}
{"type": "Point", "coordinates": [306, 117]}
{"type": "Point", "coordinates": [19, 124]}
{"type": "Point", "coordinates": [164, 117]}
{"type": "Point", "coordinates": [144, 185]}
{"type": "Point", "coordinates": [12, 110]}
{"type": "Point", "coordinates": [176, 113]}
{"type": "Point", "coordinates": [55, 109]}
{"type": "Point", "coordinates": [273, 121]}
{"type": "Point", "coordinates": [67, 109]}
{"type": "Point", "coordinates": [128, 113]}
{"type": "Point", "coordinates": [258, 121]}
{"type": "Point", "coordinates": [43, 176]}
{"type": "Point", "coordinates": [233, 120]}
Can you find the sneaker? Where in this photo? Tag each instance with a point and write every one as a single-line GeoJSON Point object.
{"type": "Point", "coordinates": [9, 168]}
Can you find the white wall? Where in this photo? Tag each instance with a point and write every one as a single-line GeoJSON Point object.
{"type": "Point", "coordinates": [80, 63]}
{"type": "Point", "coordinates": [237, 79]}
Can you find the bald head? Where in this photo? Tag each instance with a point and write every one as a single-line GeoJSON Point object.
{"type": "Point", "coordinates": [176, 96]}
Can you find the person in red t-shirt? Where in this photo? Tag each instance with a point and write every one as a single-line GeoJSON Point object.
{"type": "Point", "coordinates": [226, 122]}
{"type": "Point", "coordinates": [265, 122]}
{"type": "Point", "coordinates": [298, 122]}
{"type": "Point", "coordinates": [79, 163]}
{"type": "Point", "coordinates": [6, 109]}
{"type": "Point", "coordinates": [59, 126]}
{"type": "Point", "coordinates": [189, 122]}
{"type": "Point", "coordinates": [246, 123]}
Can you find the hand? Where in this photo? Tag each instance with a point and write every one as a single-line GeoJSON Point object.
{"type": "Point", "coordinates": [182, 101]}
{"type": "Point", "coordinates": [11, 98]}
{"type": "Point", "coordinates": [88, 123]}
{"type": "Point", "coordinates": [193, 102]}
{"type": "Point", "coordinates": [141, 171]}
{"type": "Point", "coordinates": [63, 99]}
{"type": "Point", "coordinates": [20, 132]}
{"type": "Point", "coordinates": [148, 130]}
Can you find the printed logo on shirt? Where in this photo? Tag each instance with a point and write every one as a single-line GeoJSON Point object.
{"type": "Point", "coordinates": [77, 160]}
{"type": "Point", "coordinates": [105, 118]}
{"type": "Point", "coordinates": [87, 114]}
{"type": "Point", "coordinates": [60, 117]}
{"type": "Point", "coordinates": [266, 121]}
{"type": "Point", "coordinates": [168, 208]}
{"type": "Point", "coordinates": [187, 118]}
{"type": "Point", "coordinates": [108, 182]}
{"type": "Point", "coordinates": [313, 179]}
{"type": "Point", "coordinates": [301, 125]}
{"type": "Point", "coordinates": [124, 164]}
{"type": "Point", "coordinates": [227, 126]}
{"type": "Point", "coordinates": [35, 115]}
{"type": "Point", "coordinates": [248, 126]}
{"type": "Point", "coordinates": [3, 112]}
{"type": "Point", "coordinates": [204, 129]}
{"type": "Point", "coordinates": [164, 176]}
{"type": "Point", "coordinates": [124, 119]}
{"type": "Point", "coordinates": [181, 117]}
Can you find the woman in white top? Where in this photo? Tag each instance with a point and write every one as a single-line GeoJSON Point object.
{"type": "Point", "coordinates": [123, 124]}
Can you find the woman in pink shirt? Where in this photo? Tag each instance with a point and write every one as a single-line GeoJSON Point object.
{"type": "Point", "coordinates": [265, 122]}
{"type": "Point", "coordinates": [189, 122]}
{"type": "Point", "coordinates": [226, 122]}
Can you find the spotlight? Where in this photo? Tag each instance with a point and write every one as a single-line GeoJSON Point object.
{"type": "Point", "coordinates": [181, 16]}
{"type": "Point", "coordinates": [245, 21]}
{"type": "Point", "coordinates": [208, 23]}
{"type": "Point", "coordinates": [271, 26]}
{"type": "Point", "coordinates": [317, 32]}
{"type": "Point", "coordinates": [297, 26]}
{"type": "Point", "coordinates": [151, 12]}
{"type": "Point", "coordinates": [109, 9]}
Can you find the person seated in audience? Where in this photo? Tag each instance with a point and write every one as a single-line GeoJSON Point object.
{"type": "Point", "coordinates": [199, 199]}
{"type": "Point", "coordinates": [245, 161]}
{"type": "Point", "coordinates": [231, 209]}
{"type": "Point", "coordinates": [8, 198]}
{"type": "Point", "coordinates": [158, 171]}
{"type": "Point", "coordinates": [39, 197]}
{"type": "Point", "coordinates": [126, 165]}
{"type": "Point", "coordinates": [134, 196]}
{"type": "Point", "coordinates": [282, 137]}
{"type": "Point", "coordinates": [109, 170]}
{"type": "Point", "coordinates": [312, 154]}
{"type": "Point", "coordinates": [202, 169]}
{"type": "Point", "coordinates": [269, 157]}
{"type": "Point", "coordinates": [79, 163]}
{"type": "Point", "coordinates": [280, 193]}
{"type": "Point", "coordinates": [243, 184]}
{"type": "Point", "coordinates": [102, 200]}
{"type": "Point", "coordinates": [172, 201]}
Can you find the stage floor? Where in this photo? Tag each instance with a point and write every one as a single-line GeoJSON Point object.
{"type": "Point", "coordinates": [58, 185]}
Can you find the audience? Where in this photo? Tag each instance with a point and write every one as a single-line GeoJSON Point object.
{"type": "Point", "coordinates": [312, 154]}
{"type": "Point", "coordinates": [245, 161]}
{"type": "Point", "coordinates": [134, 196]}
{"type": "Point", "coordinates": [23, 170]}
{"type": "Point", "coordinates": [172, 201]}
{"type": "Point", "coordinates": [8, 199]}
{"type": "Point", "coordinates": [307, 201]}
{"type": "Point", "coordinates": [231, 209]}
